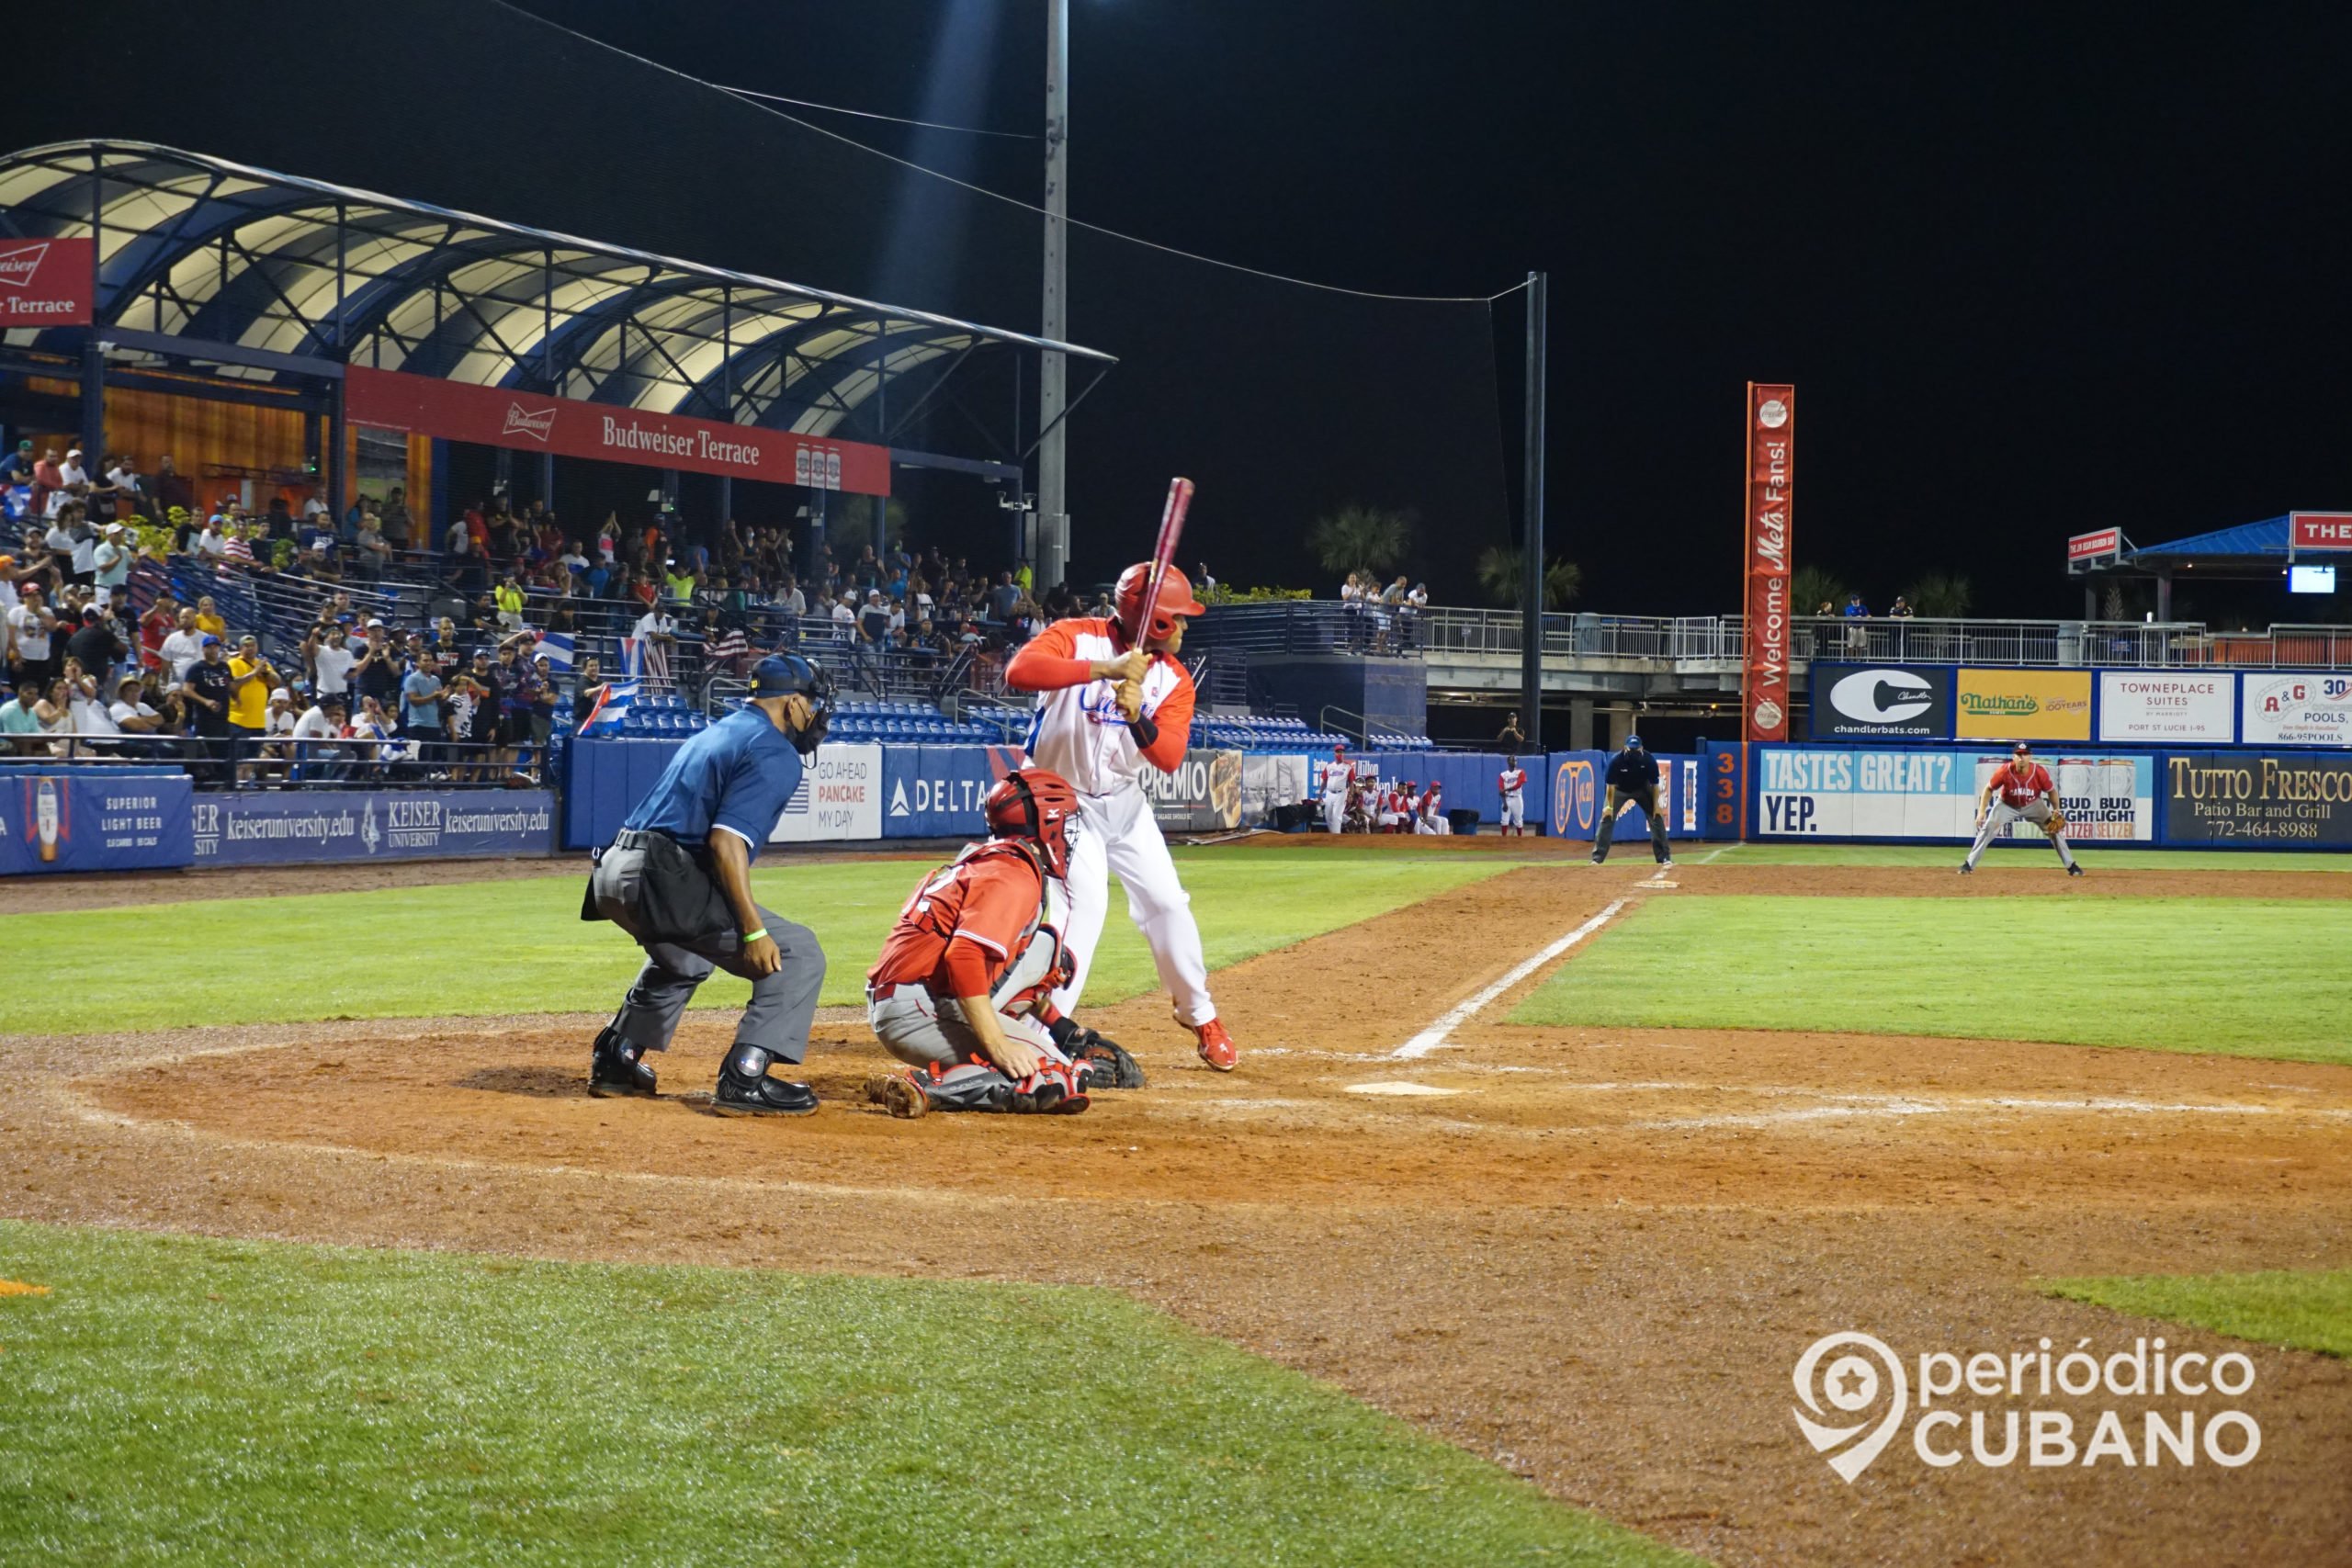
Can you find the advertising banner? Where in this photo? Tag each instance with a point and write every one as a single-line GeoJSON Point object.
{"type": "Point", "coordinates": [2159, 706]}
{"type": "Point", "coordinates": [282, 828]}
{"type": "Point", "coordinates": [2321, 530]}
{"type": "Point", "coordinates": [2290, 800]}
{"type": "Point", "coordinates": [47, 283]}
{"type": "Point", "coordinates": [1881, 702]}
{"type": "Point", "coordinates": [935, 792]}
{"type": "Point", "coordinates": [839, 797]}
{"type": "Point", "coordinates": [1268, 782]}
{"type": "Point", "coordinates": [2296, 709]}
{"type": "Point", "coordinates": [1575, 795]}
{"type": "Point", "coordinates": [1849, 793]}
{"type": "Point", "coordinates": [93, 819]}
{"type": "Point", "coordinates": [2022, 705]}
{"type": "Point", "coordinates": [1202, 795]}
{"type": "Point", "coordinates": [1771, 474]}
{"type": "Point", "coordinates": [2098, 542]}
{"type": "Point", "coordinates": [532, 422]}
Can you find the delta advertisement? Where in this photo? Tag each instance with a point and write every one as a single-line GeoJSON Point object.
{"type": "Point", "coordinates": [839, 797]}
{"type": "Point", "coordinates": [1843, 793]}
{"type": "Point", "coordinates": [2164, 707]}
{"type": "Point", "coordinates": [2022, 705]}
{"type": "Point", "coordinates": [93, 820]}
{"type": "Point", "coordinates": [1201, 795]}
{"type": "Point", "coordinates": [2287, 800]}
{"type": "Point", "coordinates": [2295, 708]}
{"type": "Point", "coordinates": [935, 792]}
{"type": "Point", "coordinates": [280, 829]}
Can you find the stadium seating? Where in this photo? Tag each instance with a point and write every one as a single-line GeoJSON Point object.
{"type": "Point", "coordinates": [1252, 733]}
{"type": "Point", "coordinates": [904, 723]}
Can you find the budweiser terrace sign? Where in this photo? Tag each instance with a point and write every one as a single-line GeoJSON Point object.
{"type": "Point", "coordinates": [496, 416]}
{"type": "Point", "coordinates": [45, 283]}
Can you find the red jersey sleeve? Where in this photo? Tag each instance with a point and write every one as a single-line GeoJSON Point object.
{"type": "Point", "coordinates": [1000, 897]}
{"type": "Point", "coordinates": [1174, 719]}
{"type": "Point", "coordinates": [1048, 661]}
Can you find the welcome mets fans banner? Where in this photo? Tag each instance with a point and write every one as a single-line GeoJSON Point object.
{"type": "Point", "coordinates": [46, 283]}
{"type": "Point", "coordinates": [1843, 793]}
{"type": "Point", "coordinates": [1771, 448]}
{"type": "Point", "coordinates": [532, 421]}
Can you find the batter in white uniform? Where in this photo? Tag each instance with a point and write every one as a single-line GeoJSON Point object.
{"type": "Point", "coordinates": [1105, 710]}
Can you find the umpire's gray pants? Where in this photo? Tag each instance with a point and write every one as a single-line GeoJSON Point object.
{"type": "Point", "coordinates": [1614, 801]}
{"type": "Point", "coordinates": [928, 1032]}
{"type": "Point", "coordinates": [782, 1004]}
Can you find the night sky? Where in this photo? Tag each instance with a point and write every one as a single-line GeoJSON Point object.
{"type": "Point", "coordinates": [2030, 274]}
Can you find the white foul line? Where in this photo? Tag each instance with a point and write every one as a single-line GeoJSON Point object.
{"type": "Point", "coordinates": [1432, 1038]}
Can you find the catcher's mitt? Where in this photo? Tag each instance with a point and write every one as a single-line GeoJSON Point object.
{"type": "Point", "coordinates": [2055, 825]}
{"type": "Point", "coordinates": [1106, 1061]}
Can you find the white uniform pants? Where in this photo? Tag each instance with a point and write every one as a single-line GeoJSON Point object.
{"type": "Point", "coordinates": [1514, 808]}
{"type": "Point", "coordinates": [1335, 810]}
{"type": "Point", "coordinates": [1997, 822]}
{"type": "Point", "coordinates": [1438, 826]}
{"type": "Point", "coordinates": [1119, 835]}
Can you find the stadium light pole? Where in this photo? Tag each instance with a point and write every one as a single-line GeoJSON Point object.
{"type": "Point", "coordinates": [1530, 560]}
{"type": "Point", "coordinates": [1053, 478]}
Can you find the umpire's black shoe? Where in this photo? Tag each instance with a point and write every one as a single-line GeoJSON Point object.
{"type": "Point", "coordinates": [740, 1096]}
{"type": "Point", "coordinates": [616, 1066]}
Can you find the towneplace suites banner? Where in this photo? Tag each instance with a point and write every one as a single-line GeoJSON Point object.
{"type": "Point", "coordinates": [1881, 701]}
{"type": "Point", "coordinates": [534, 422]}
{"type": "Point", "coordinates": [1202, 795]}
{"type": "Point", "coordinates": [2282, 800]}
{"type": "Point", "coordinates": [2152, 707]}
{"type": "Point", "coordinates": [1771, 475]}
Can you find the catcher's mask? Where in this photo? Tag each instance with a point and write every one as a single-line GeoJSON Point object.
{"type": "Point", "coordinates": [1034, 802]}
{"type": "Point", "coordinates": [789, 674]}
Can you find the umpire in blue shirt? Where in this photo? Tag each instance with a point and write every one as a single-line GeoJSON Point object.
{"type": "Point", "coordinates": [677, 878]}
{"type": "Point", "coordinates": [1632, 776]}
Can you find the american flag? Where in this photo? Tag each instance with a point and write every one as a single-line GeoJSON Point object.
{"type": "Point", "coordinates": [729, 650]}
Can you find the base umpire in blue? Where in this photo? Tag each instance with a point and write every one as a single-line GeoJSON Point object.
{"type": "Point", "coordinates": [677, 878]}
{"type": "Point", "coordinates": [1632, 776]}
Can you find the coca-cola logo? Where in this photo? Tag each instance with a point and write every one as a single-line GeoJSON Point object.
{"type": "Point", "coordinates": [536, 423]}
{"type": "Point", "coordinates": [17, 266]}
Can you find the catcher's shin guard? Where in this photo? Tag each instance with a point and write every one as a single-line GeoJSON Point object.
{"type": "Point", "coordinates": [1054, 1089]}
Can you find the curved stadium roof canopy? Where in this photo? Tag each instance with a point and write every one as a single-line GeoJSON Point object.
{"type": "Point", "coordinates": [296, 274]}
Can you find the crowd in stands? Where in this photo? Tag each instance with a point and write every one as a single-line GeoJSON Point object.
{"type": "Point", "coordinates": [103, 653]}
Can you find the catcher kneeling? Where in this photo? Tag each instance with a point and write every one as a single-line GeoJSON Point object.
{"type": "Point", "coordinates": [963, 991]}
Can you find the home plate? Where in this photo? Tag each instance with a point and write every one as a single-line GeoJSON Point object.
{"type": "Point", "coordinates": [1398, 1087]}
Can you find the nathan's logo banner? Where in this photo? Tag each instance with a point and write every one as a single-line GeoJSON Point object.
{"type": "Point", "coordinates": [494, 416]}
{"type": "Point", "coordinates": [2166, 705]}
{"type": "Point", "coordinates": [1202, 794]}
{"type": "Point", "coordinates": [1771, 474]}
{"type": "Point", "coordinates": [46, 283]}
{"type": "Point", "coordinates": [2290, 800]}
{"type": "Point", "coordinates": [1849, 793]}
{"type": "Point", "coordinates": [2313, 709]}
{"type": "Point", "coordinates": [1877, 701]}
{"type": "Point", "coordinates": [2022, 705]}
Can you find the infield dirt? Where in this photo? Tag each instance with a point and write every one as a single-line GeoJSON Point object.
{"type": "Point", "coordinates": [1591, 1255]}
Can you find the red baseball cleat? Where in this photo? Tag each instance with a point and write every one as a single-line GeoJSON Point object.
{"type": "Point", "coordinates": [1218, 1048]}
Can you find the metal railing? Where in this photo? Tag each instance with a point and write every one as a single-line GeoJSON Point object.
{"type": "Point", "coordinates": [246, 762]}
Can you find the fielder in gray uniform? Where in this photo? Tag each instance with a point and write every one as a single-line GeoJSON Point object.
{"type": "Point", "coordinates": [677, 878]}
{"type": "Point", "coordinates": [963, 990]}
{"type": "Point", "coordinates": [2019, 789]}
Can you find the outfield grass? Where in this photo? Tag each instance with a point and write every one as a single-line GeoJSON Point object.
{"type": "Point", "coordinates": [520, 946]}
{"type": "Point", "coordinates": [2306, 1311]}
{"type": "Point", "coordinates": [2238, 976]}
{"type": "Point", "coordinates": [245, 1402]}
{"type": "Point", "coordinates": [2037, 854]}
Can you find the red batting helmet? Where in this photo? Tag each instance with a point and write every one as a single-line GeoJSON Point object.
{"type": "Point", "coordinates": [1175, 599]}
{"type": "Point", "coordinates": [1033, 802]}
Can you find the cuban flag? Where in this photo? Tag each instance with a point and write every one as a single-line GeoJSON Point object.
{"type": "Point", "coordinates": [556, 649]}
{"type": "Point", "coordinates": [612, 707]}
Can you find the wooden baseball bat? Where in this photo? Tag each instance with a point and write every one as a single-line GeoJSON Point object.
{"type": "Point", "coordinates": [1163, 554]}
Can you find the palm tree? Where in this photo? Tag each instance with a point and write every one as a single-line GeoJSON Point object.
{"type": "Point", "coordinates": [1361, 539]}
{"type": "Point", "coordinates": [1812, 586]}
{"type": "Point", "coordinates": [1939, 596]}
{"type": "Point", "coordinates": [1499, 570]}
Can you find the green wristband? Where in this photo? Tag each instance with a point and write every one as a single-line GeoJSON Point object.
{"type": "Point", "coordinates": [750, 937]}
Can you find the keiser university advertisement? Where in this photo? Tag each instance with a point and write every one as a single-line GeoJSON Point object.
{"type": "Point", "coordinates": [1842, 793]}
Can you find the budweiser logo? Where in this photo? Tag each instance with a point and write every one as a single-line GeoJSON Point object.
{"type": "Point", "coordinates": [533, 423]}
{"type": "Point", "coordinates": [17, 266]}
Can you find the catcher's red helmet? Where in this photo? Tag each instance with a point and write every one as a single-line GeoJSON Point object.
{"type": "Point", "coordinates": [1033, 802]}
{"type": "Point", "coordinates": [1175, 599]}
